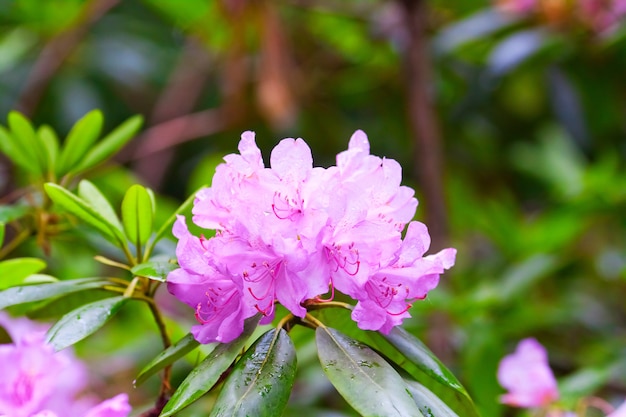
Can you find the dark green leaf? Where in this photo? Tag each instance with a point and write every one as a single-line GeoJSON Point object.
{"type": "Point", "coordinates": [414, 350]}
{"type": "Point", "coordinates": [80, 323]}
{"type": "Point", "coordinates": [84, 211]}
{"type": "Point", "coordinates": [154, 270]}
{"type": "Point", "coordinates": [261, 382]}
{"type": "Point", "coordinates": [137, 214]}
{"type": "Point", "coordinates": [14, 271]}
{"type": "Point", "coordinates": [25, 137]}
{"type": "Point", "coordinates": [167, 357]}
{"type": "Point", "coordinates": [90, 193]}
{"type": "Point", "coordinates": [364, 379]}
{"type": "Point", "coordinates": [202, 378]}
{"type": "Point", "coordinates": [81, 138]}
{"type": "Point", "coordinates": [110, 144]}
{"type": "Point", "coordinates": [28, 293]}
{"type": "Point", "coordinates": [429, 404]}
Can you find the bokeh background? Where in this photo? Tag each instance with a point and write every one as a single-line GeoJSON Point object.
{"type": "Point", "coordinates": [509, 120]}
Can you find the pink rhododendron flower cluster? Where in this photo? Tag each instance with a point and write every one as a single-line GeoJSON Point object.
{"type": "Point", "coordinates": [292, 232]}
{"type": "Point", "coordinates": [527, 376]}
{"type": "Point", "coordinates": [36, 381]}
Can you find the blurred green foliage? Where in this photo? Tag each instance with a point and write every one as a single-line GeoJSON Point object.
{"type": "Point", "coordinates": [532, 114]}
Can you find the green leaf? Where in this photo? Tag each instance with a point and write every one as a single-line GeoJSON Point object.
{"type": "Point", "coordinates": [81, 209]}
{"type": "Point", "coordinates": [414, 350]}
{"type": "Point", "coordinates": [167, 357]}
{"type": "Point", "coordinates": [13, 212]}
{"type": "Point", "coordinates": [48, 137]}
{"type": "Point", "coordinates": [436, 377]}
{"type": "Point", "coordinates": [137, 215]}
{"type": "Point", "coordinates": [154, 270]}
{"type": "Point", "coordinates": [28, 293]}
{"type": "Point", "coordinates": [26, 138]}
{"type": "Point", "coordinates": [204, 376]}
{"type": "Point", "coordinates": [363, 378]}
{"type": "Point", "coordinates": [80, 323]}
{"type": "Point", "coordinates": [429, 404]}
{"type": "Point", "coordinates": [92, 195]}
{"type": "Point", "coordinates": [110, 144]}
{"type": "Point", "coordinates": [81, 138]}
{"type": "Point", "coordinates": [2, 229]}
{"type": "Point", "coordinates": [14, 271]}
{"type": "Point", "coordinates": [14, 150]}
{"type": "Point", "coordinates": [262, 379]}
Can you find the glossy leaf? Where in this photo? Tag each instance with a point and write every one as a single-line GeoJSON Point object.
{"type": "Point", "coordinates": [14, 271]}
{"type": "Point", "coordinates": [80, 323]}
{"type": "Point", "coordinates": [137, 214]}
{"type": "Point", "coordinates": [28, 293]}
{"type": "Point", "coordinates": [261, 381]}
{"type": "Point", "coordinates": [81, 138]}
{"type": "Point", "coordinates": [81, 209]}
{"type": "Point", "coordinates": [414, 350]}
{"type": "Point", "coordinates": [110, 144]}
{"type": "Point", "coordinates": [204, 376]}
{"type": "Point", "coordinates": [92, 195]}
{"type": "Point", "coordinates": [25, 137]}
{"type": "Point", "coordinates": [154, 270]}
{"type": "Point", "coordinates": [167, 357]}
{"type": "Point", "coordinates": [429, 404]}
{"type": "Point", "coordinates": [362, 377]}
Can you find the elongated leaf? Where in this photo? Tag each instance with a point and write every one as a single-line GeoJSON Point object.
{"type": "Point", "coordinates": [26, 138]}
{"type": "Point", "coordinates": [2, 229]}
{"type": "Point", "coordinates": [15, 152]}
{"type": "Point", "coordinates": [81, 209]}
{"type": "Point", "coordinates": [137, 214]}
{"type": "Point", "coordinates": [28, 293]}
{"type": "Point", "coordinates": [202, 378]}
{"type": "Point", "coordinates": [437, 377]}
{"type": "Point", "coordinates": [428, 402]}
{"type": "Point", "coordinates": [414, 350]}
{"type": "Point", "coordinates": [154, 270]}
{"type": "Point", "coordinates": [262, 380]}
{"type": "Point", "coordinates": [51, 142]}
{"type": "Point", "coordinates": [14, 271]}
{"type": "Point", "coordinates": [80, 323]}
{"type": "Point", "coordinates": [170, 221]}
{"type": "Point", "coordinates": [110, 144]}
{"type": "Point", "coordinates": [167, 357]}
{"type": "Point", "coordinates": [90, 193]}
{"type": "Point", "coordinates": [81, 138]}
{"type": "Point", "coordinates": [364, 379]}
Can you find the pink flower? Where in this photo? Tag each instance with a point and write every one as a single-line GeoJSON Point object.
{"type": "Point", "coordinates": [291, 232]}
{"type": "Point", "coordinates": [619, 412]}
{"type": "Point", "coordinates": [527, 376]}
{"type": "Point", "coordinates": [36, 381]}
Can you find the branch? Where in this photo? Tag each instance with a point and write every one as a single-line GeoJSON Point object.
{"type": "Point", "coordinates": [424, 122]}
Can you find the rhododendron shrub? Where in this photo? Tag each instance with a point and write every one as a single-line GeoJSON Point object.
{"type": "Point", "coordinates": [36, 381]}
{"type": "Point", "coordinates": [292, 232]}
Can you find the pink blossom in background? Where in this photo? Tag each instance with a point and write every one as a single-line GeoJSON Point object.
{"type": "Point", "coordinates": [527, 376]}
{"type": "Point", "coordinates": [619, 412]}
{"type": "Point", "coordinates": [36, 381]}
{"type": "Point", "coordinates": [293, 232]}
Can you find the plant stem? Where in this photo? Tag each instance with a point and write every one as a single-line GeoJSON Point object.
{"type": "Point", "coordinates": [21, 237]}
{"type": "Point", "coordinates": [158, 318]}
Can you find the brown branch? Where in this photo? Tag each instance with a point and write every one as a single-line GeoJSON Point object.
{"type": "Point", "coordinates": [56, 51]}
{"type": "Point", "coordinates": [424, 123]}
